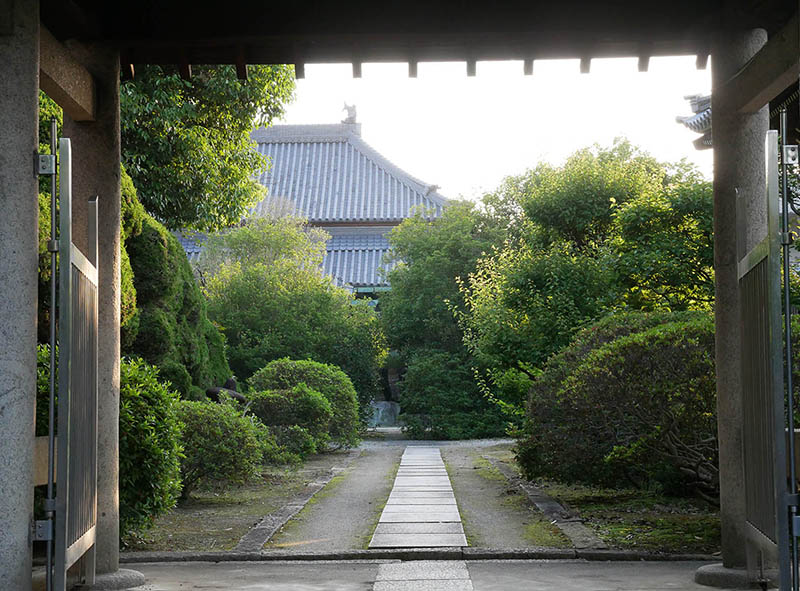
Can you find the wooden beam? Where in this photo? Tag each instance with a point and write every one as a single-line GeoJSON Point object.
{"type": "Point", "coordinates": [299, 70]}
{"type": "Point", "coordinates": [472, 67]}
{"type": "Point", "coordinates": [527, 67]}
{"type": "Point", "coordinates": [64, 80]}
{"type": "Point", "coordinates": [6, 17]}
{"type": "Point", "coordinates": [185, 70]}
{"type": "Point", "coordinates": [356, 69]}
{"type": "Point", "coordinates": [586, 65]}
{"type": "Point", "coordinates": [768, 73]}
{"type": "Point", "coordinates": [412, 68]}
{"type": "Point", "coordinates": [241, 63]}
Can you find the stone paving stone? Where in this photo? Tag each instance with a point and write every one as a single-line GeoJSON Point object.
{"type": "Point", "coordinates": [423, 570]}
{"type": "Point", "coordinates": [395, 508]}
{"type": "Point", "coordinates": [423, 586]}
{"type": "Point", "coordinates": [421, 510]}
{"type": "Point", "coordinates": [420, 528]}
{"type": "Point", "coordinates": [419, 502]}
{"type": "Point", "coordinates": [417, 540]}
{"type": "Point", "coordinates": [419, 517]}
{"type": "Point", "coordinates": [424, 494]}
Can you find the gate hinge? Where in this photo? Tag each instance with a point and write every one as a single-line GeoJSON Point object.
{"type": "Point", "coordinates": [43, 530]}
{"type": "Point", "coordinates": [45, 164]}
{"type": "Point", "coordinates": [790, 155]}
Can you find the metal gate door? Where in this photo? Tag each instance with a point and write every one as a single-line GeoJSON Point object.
{"type": "Point", "coordinates": [76, 496]}
{"type": "Point", "coordinates": [765, 481]}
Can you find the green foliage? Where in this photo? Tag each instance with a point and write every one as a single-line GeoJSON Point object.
{"type": "Point", "coordinates": [440, 399]}
{"type": "Point", "coordinates": [43, 389]}
{"type": "Point", "coordinates": [297, 441]}
{"type": "Point", "coordinates": [524, 304]}
{"type": "Point", "coordinates": [432, 256]}
{"type": "Point", "coordinates": [174, 332]}
{"type": "Point", "coordinates": [632, 398]}
{"type": "Point", "coordinates": [186, 144]}
{"type": "Point", "coordinates": [149, 446]}
{"type": "Point", "coordinates": [266, 294]}
{"type": "Point", "coordinates": [610, 229]}
{"type": "Point", "coordinates": [575, 202]}
{"type": "Point", "coordinates": [329, 380]}
{"type": "Point", "coordinates": [299, 406]}
{"type": "Point", "coordinates": [220, 444]}
{"type": "Point", "coordinates": [662, 248]}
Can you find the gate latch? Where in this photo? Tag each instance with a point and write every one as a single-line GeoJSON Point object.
{"type": "Point", "coordinates": [43, 530]}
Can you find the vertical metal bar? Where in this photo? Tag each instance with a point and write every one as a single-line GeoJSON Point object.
{"type": "Point", "coordinates": [787, 313]}
{"type": "Point", "coordinates": [65, 361]}
{"type": "Point", "coordinates": [51, 414]}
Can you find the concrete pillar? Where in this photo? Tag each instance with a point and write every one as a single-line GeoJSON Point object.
{"type": "Point", "coordinates": [739, 223]}
{"type": "Point", "coordinates": [19, 120]}
{"type": "Point", "coordinates": [95, 165]}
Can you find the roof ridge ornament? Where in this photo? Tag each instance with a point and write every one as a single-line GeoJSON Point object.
{"type": "Point", "coordinates": [351, 114]}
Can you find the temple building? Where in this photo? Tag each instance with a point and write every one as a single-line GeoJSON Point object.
{"type": "Point", "coordinates": [330, 176]}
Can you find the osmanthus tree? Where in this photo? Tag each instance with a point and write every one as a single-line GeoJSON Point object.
{"type": "Point", "coordinates": [186, 144]}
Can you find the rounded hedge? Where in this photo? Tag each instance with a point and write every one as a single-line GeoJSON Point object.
{"type": "Point", "coordinates": [149, 446]}
{"type": "Point", "coordinates": [220, 444]}
{"type": "Point", "coordinates": [640, 408]}
{"type": "Point", "coordinates": [300, 406]}
{"type": "Point", "coordinates": [329, 380]}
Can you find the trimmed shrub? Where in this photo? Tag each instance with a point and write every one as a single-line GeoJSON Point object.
{"type": "Point", "coordinates": [640, 407]}
{"type": "Point", "coordinates": [300, 406]}
{"type": "Point", "coordinates": [149, 446]}
{"type": "Point", "coordinates": [329, 380]}
{"type": "Point", "coordinates": [439, 399]}
{"type": "Point", "coordinates": [296, 441]}
{"type": "Point", "coordinates": [173, 329]}
{"type": "Point", "coordinates": [220, 444]}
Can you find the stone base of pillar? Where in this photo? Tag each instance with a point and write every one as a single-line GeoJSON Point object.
{"type": "Point", "coordinates": [716, 575]}
{"type": "Point", "coordinates": [122, 579]}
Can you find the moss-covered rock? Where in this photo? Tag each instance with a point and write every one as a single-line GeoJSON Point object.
{"type": "Point", "coordinates": [173, 330]}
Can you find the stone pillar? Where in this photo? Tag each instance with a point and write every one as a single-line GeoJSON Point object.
{"type": "Point", "coordinates": [95, 166]}
{"type": "Point", "coordinates": [19, 120]}
{"type": "Point", "coordinates": [739, 223]}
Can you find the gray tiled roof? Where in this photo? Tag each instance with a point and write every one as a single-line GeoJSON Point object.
{"type": "Point", "coordinates": [332, 175]}
{"type": "Point", "coordinates": [357, 260]}
{"type": "Point", "coordinates": [352, 260]}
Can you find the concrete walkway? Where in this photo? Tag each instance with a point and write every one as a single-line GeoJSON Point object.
{"type": "Point", "coordinates": [490, 575]}
{"type": "Point", "coordinates": [421, 511]}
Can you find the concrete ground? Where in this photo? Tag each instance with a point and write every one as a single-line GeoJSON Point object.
{"type": "Point", "coordinates": [502, 575]}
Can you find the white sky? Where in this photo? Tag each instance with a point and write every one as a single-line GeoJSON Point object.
{"type": "Point", "coordinates": [466, 133]}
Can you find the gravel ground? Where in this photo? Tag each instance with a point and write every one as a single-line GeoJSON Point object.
{"type": "Point", "coordinates": [343, 515]}
{"type": "Point", "coordinates": [494, 513]}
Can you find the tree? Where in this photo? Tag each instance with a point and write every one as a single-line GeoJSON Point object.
{"type": "Point", "coordinates": [270, 299]}
{"type": "Point", "coordinates": [662, 248]}
{"type": "Point", "coordinates": [610, 228]}
{"type": "Point", "coordinates": [418, 315]}
{"type": "Point", "coordinates": [186, 144]}
{"type": "Point", "coordinates": [431, 255]}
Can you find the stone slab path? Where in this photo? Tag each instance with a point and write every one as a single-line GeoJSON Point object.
{"type": "Point", "coordinates": [421, 511]}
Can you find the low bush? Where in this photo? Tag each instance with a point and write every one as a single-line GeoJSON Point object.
{"type": "Point", "coordinates": [296, 441]}
{"type": "Point", "coordinates": [329, 380]}
{"type": "Point", "coordinates": [300, 406]}
{"type": "Point", "coordinates": [639, 407]}
{"type": "Point", "coordinates": [220, 444]}
{"type": "Point", "coordinates": [439, 399]}
{"type": "Point", "coordinates": [149, 446]}
{"type": "Point", "coordinates": [149, 440]}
